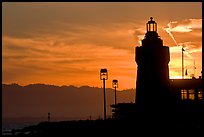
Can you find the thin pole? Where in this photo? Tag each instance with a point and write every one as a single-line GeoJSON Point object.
{"type": "Point", "coordinates": [194, 67]}
{"type": "Point", "coordinates": [115, 97]}
{"type": "Point", "coordinates": [48, 117]}
{"type": "Point", "coordinates": [182, 64]}
{"type": "Point", "coordinates": [104, 93]}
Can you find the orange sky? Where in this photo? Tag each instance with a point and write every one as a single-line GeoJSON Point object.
{"type": "Point", "coordinates": [68, 43]}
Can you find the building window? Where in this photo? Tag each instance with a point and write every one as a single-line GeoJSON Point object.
{"type": "Point", "coordinates": [183, 94]}
{"type": "Point", "coordinates": [191, 94]}
{"type": "Point", "coordinates": [188, 94]}
{"type": "Point", "coordinates": [200, 97]}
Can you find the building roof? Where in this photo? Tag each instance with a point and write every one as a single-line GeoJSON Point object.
{"type": "Point", "coordinates": [186, 83]}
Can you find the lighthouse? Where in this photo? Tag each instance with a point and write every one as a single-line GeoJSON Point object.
{"type": "Point", "coordinates": [152, 58]}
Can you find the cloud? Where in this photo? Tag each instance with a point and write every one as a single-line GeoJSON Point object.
{"type": "Point", "coordinates": [192, 40]}
{"type": "Point", "coordinates": [187, 25]}
{"type": "Point", "coordinates": [67, 41]}
{"type": "Point", "coordinates": [138, 34]}
{"type": "Point", "coordinates": [47, 61]}
{"type": "Point", "coordinates": [191, 47]}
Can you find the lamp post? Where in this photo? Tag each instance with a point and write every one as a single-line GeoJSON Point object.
{"type": "Point", "coordinates": [104, 76]}
{"type": "Point", "coordinates": [115, 85]}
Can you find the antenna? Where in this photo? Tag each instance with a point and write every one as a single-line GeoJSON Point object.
{"type": "Point", "coordinates": [194, 67]}
{"type": "Point", "coordinates": [182, 62]}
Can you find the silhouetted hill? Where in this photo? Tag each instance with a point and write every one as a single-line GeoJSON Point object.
{"type": "Point", "coordinates": [36, 100]}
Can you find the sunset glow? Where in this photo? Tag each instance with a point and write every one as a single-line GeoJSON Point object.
{"type": "Point", "coordinates": [68, 43]}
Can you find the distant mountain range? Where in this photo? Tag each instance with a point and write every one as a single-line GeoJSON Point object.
{"type": "Point", "coordinates": [36, 100]}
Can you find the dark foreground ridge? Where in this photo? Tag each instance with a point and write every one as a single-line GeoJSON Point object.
{"type": "Point", "coordinates": [131, 123]}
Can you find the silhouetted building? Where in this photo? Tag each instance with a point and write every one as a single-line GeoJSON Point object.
{"type": "Point", "coordinates": [167, 102]}
{"type": "Point", "coordinates": [152, 58]}
{"type": "Point", "coordinates": [124, 110]}
{"type": "Point", "coordinates": [187, 89]}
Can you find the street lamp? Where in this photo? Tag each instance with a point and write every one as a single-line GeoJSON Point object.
{"type": "Point", "coordinates": [115, 85]}
{"type": "Point", "coordinates": [104, 76]}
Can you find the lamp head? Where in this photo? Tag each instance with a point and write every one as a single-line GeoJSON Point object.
{"type": "Point", "coordinates": [115, 83]}
{"type": "Point", "coordinates": [103, 74]}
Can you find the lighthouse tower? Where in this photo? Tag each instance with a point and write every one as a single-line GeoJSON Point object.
{"type": "Point", "coordinates": [152, 58]}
